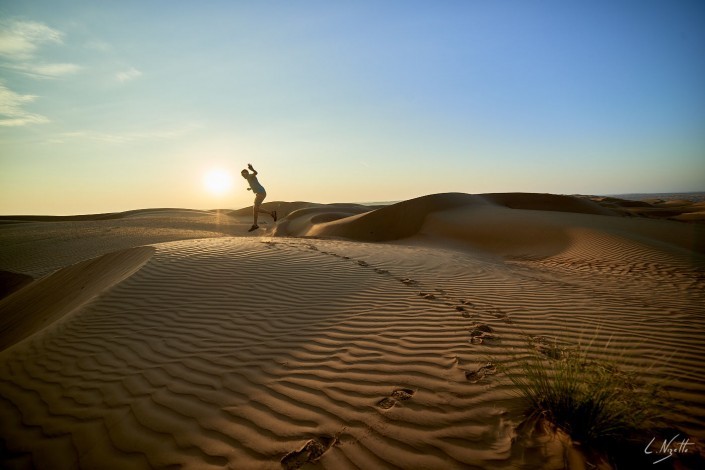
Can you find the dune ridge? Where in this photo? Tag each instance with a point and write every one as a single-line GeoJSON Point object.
{"type": "Point", "coordinates": [511, 224]}
{"type": "Point", "coordinates": [44, 302]}
{"type": "Point", "coordinates": [285, 352]}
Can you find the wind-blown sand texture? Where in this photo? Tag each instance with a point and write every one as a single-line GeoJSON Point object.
{"type": "Point", "coordinates": [341, 337]}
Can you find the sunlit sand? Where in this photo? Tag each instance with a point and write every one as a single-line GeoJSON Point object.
{"type": "Point", "coordinates": [341, 336]}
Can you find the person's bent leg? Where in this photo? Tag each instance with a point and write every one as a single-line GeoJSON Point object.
{"type": "Point", "coordinates": [258, 206]}
{"type": "Point", "coordinates": [273, 214]}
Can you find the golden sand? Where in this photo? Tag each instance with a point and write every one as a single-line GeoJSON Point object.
{"type": "Point", "coordinates": [339, 337]}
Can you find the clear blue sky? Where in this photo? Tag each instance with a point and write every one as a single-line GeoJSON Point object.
{"type": "Point", "coordinates": [108, 106]}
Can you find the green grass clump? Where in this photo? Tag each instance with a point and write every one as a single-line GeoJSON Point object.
{"type": "Point", "coordinates": [594, 402]}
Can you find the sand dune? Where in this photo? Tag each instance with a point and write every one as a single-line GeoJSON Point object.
{"type": "Point", "coordinates": [108, 216]}
{"type": "Point", "coordinates": [39, 247]}
{"type": "Point", "coordinates": [279, 351]}
{"type": "Point", "coordinates": [507, 224]}
{"type": "Point", "coordinates": [47, 300]}
{"type": "Point", "coordinates": [674, 209]}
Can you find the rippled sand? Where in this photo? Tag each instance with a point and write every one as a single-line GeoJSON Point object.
{"type": "Point", "coordinates": [159, 339]}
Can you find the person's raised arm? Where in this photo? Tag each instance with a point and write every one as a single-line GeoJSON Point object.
{"type": "Point", "coordinates": [249, 165]}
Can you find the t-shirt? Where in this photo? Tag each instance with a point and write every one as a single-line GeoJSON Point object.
{"type": "Point", "coordinates": [254, 184]}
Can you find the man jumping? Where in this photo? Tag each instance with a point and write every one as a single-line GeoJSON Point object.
{"type": "Point", "coordinates": [260, 194]}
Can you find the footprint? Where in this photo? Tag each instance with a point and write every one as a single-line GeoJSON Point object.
{"type": "Point", "coordinates": [310, 452]}
{"type": "Point", "coordinates": [403, 394]}
{"type": "Point", "coordinates": [548, 348]}
{"type": "Point", "coordinates": [427, 296]}
{"type": "Point", "coordinates": [481, 373]}
{"type": "Point", "coordinates": [386, 403]}
{"type": "Point", "coordinates": [381, 271]}
{"type": "Point", "coordinates": [464, 312]}
{"type": "Point", "coordinates": [501, 315]}
{"type": "Point", "coordinates": [400, 394]}
{"type": "Point", "coordinates": [473, 306]}
{"type": "Point", "coordinates": [363, 263]}
{"type": "Point", "coordinates": [481, 333]}
{"type": "Point", "coordinates": [408, 281]}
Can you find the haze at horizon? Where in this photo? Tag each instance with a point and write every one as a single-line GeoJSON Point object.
{"type": "Point", "coordinates": [114, 106]}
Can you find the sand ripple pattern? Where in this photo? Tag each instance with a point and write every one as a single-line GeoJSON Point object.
{"type": "Point", "coordinates": [279, 353]}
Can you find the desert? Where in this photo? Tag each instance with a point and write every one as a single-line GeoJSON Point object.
{"type": "Point", "coordinates": [412, 235]}
{"type": "Point", "coordinates": [342, 335]}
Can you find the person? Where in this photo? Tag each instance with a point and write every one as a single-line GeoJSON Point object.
{"type": "Point", "coordinates": [260, 194]}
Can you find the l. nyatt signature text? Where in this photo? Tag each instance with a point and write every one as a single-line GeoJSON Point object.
{"type": "Point", "coordinates": [668, 448]}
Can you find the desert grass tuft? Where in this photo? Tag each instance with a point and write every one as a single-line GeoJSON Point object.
{"type": "Point", "coordinates": [593, 401]}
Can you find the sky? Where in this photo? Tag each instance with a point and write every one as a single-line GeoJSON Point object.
{"type": "Point", "coordinates": [112, 106]}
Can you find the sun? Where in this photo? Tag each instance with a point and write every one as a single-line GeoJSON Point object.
{"type": "Point", "coordinates": [218, 182]}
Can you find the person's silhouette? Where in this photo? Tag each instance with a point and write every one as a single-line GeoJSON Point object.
{"type": "Point", "coordinates": [260, 194]}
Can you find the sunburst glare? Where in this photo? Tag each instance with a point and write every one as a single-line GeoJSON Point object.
{"type": "Point", "coordinates": [218, 182]}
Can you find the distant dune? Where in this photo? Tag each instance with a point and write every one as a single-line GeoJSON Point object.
{"type": "Point", "coordinates": [516, 223]}
{"type": "Point", "coordinates": [341, 336]}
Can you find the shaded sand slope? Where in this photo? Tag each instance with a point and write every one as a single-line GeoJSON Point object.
{"type": "Point", "coordinates": [541, 234]}
{"type": "Point", "coordinates": [10, 282]}
{"type": "Point", "coordinates": [48, 299]}
{"type": "Point", "coordinates": [241, 352]}
{"type": "Point", "coordinates": [516, 224]}
{"type": "Point", "coordinates": [299, 222]}
{"type": "Point", "coordinates": [406, 218]}
{"type": "Point", "coordinates": [388, 223]}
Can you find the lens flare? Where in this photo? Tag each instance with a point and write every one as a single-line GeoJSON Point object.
{"type": "Point", "coordinates": [218, 182]}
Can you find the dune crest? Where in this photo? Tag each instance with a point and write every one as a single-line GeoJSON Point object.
{"type": "Point", "coordinates": [507, 224]}
{"type": "Point", "coordinates": [45, 301]}
{"type": "Point", "coordinates": [405, 219]}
